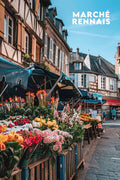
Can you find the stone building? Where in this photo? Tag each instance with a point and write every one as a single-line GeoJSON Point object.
{"type": "Point", "coordinates": [27, 34]}
{"type": "Point", "coordinates": [97, 75]}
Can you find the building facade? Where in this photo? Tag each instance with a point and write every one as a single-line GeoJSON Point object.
{"type": "Point", "coordinates": [29, 34]}
{"type": "Point", "coordinates": [94, 74]}
{"type": "Point", "coordinates": [56, 49]}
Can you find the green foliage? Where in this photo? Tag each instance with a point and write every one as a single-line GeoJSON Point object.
{"type": "Point", "coordinates": [9, 158]}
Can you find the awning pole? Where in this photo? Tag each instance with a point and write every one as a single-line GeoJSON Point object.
{"type": "Point", "coordinates": [3, 90]}
{"type": "Point", "coordinates": [54, 86]}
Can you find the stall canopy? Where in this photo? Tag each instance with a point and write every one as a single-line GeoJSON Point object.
{"type": "Point", "coordinates": [94, 98]}
{"type": "Point", "coordinates": [67, 89]}
{"type": "Point", "coordinates": [35, 78]}
{"type": "Point", "coordinates": [112, 102]}
{"type": "Point", "coordinates": [13, 73]}
{"type": "Point", "coordinates": [40, 78]}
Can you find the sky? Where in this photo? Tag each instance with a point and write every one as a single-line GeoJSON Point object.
{"type": "Point", "coordinates": [94, 39]}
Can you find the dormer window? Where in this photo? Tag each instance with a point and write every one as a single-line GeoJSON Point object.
{"type": "Point", "coordinates": [60, 28]}
{"type": "Point", "coordinates": [77, 66]}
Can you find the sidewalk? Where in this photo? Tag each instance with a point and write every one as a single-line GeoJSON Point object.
{"type": "Point", "coordinates": [103, 161]}
{"type": "Point", "coordinates": [111, 123]}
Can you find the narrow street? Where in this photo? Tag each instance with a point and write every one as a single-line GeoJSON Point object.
{"type": "Point", "coordinates": [103, 161]}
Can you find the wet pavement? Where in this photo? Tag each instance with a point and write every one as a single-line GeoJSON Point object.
{"type": "Point", "coordinates": [103, 161]}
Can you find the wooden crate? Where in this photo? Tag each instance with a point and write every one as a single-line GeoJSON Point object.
{"type": "Point", "coordinates": [16, 175]}
{"type": "Point", "coordinates": [66, 167]}
{"type": "Point", "coordinates": [42, 170]}
{"type": "Point", "coordinates": [79, 154]}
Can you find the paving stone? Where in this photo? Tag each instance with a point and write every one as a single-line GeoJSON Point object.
{"type": "Point", "coordinates": [105, 160]}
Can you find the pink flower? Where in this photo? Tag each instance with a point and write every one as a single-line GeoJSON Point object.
{"type": "Point", "coordinates": [79, 108]}
{"type": "Point", "coordinates": [47, 140]}
{"type": "Point", "coordinates": [55, 147]}
{"type": "Point", "coordinates": [60, 149]}
{"type": "Point", "coordinates": [68, 107]}
{"type": "Point", "coordinates": [56, 114]}
{"type": "Point", "coordinates": [58, 143]}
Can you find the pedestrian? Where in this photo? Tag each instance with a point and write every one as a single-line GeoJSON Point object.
{"type": "Point", "coordinates": [104, 115]}
{"type": "Point", "coordinates": [113, 114]}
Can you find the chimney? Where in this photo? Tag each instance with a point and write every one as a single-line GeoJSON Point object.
{"type": "Point", "coordinates": [118, 50]}
{"type": "Point", "coordinates": [77, 51]}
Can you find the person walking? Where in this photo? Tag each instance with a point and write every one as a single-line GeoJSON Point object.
{"type": "Point", "coordinates": [104, 115]}
{"type": "Point", "coordinates": [113, 114]}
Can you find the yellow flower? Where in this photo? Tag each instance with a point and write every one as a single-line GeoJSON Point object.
{"type": "Point", "coordinates": [40, 124]}
{"type": "Point", "coordinates": [20, 140]}
{"type": "Point", "coordinates": [41, 117]}
{"type": "Point", "coordinates": [48, 119]}
{"type": "Point", "coordinates": [54, 128]}
{"type": "Point", "coordinates": [37, 119]}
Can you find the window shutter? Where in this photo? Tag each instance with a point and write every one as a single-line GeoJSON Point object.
{"type": "Point", "coordinates": [79, 80]}
{"type": "Point", "coordinates": [2, 15]}
{"type": "Point", "coordinates": [76, 79]}
{"type": "Point", "coordinates": [107, 83]}
{"type": "Point", "coordinates": [51, 50]}
{"type": "Point", "coordinates": [99, 82]}
{"type": "Point", "coordinates": [56, 58]}
{"type": "Point", "coordinates": [37, 7]}
{"type": "Point", "coordinates": [63, 62]}
{"type": "Point", "coordinates": [23, 37]}
{"type": "Point", "coordinates": [87, 80]}
{"type": "Point", "coordinates": [33, 47]}
{"type": "Point", "coordinates": [60, 60]}
{"type": "Point", "coordinates": [45, 46]}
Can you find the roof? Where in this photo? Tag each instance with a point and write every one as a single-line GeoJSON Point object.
{"type": "Point", "coordinates": [60, 20]}
{"type": "Point", "coordinates": [98, 65]}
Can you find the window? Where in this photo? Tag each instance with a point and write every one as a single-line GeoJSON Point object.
{"type": "Point", "coordinates": [26, 43]}
{"type": "Point", "coordinates": [112, 84]}
{"type": "Point", "coordinates": [77, 66]}
{"type": "Point", "coordinates": [32, 4]}
{"type": "Point", "coordinates": [37, 53]}
{"type": "Point", "coordinates": [8, 29]}
{"type": "Point", "coordinates": [83, 80]}
{"type": "Point", "coordinates": [39, 12]}
{"type": "Point", "coordinates": [103, 82]}
{"type": "Point", "coordinates": [51, 50]}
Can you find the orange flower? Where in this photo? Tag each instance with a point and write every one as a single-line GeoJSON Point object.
{"type": "Point", "coordinates": [45, 94]}
{"type": "Point", "coordinates": [32, 94]}
{"type": "Point", "coordinates": [1, 104]}
{"type": "Point", "coordinates": [15, 98]}
{"type": "Point", "coordinates": [2, 146]}
{"type": "Point", "coordinates": [39, 92]}
{"type": "Point", "coordinates": [6, 100]}
{"type": "Point", "coordinates": [10, 99]}
{"type": "Point", "coordinates": [28, 93]}
{"type": "Point", "coordinates": [23, 100]}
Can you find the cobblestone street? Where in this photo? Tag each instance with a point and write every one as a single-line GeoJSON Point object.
{"type": "Point", "coordinates": [103, 162]}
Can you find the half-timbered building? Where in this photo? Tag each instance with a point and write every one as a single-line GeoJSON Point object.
{"type": "Point", "coordinates": [21, 30]}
